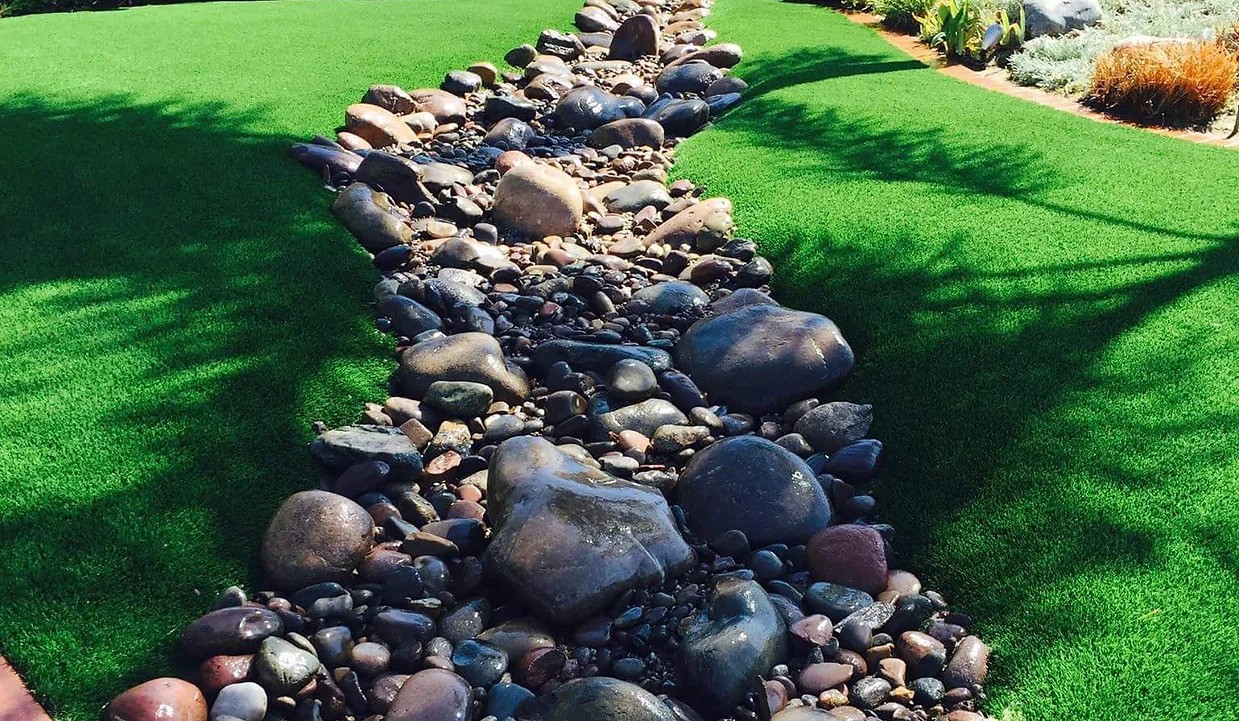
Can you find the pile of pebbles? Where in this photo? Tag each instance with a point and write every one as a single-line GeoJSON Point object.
{"type": "Point", "coordinates": [612, 481]}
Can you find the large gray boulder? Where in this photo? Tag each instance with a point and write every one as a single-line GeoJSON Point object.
{"type": "Point", "coordinates": [763, 358]}
{"type": "Point", "coordinates": [739, 637]}
{"type": "Point", "coordinates": [750, 484]}
{"type": "Point", "coordinates": [1058, 17]}
{"type": "Point", "coordinates": [569, 538]}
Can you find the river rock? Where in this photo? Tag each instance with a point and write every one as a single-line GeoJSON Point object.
{"type": "Point", "coordinates": [315, 536]}
{"type": "Point", "coordinates": [631, 381]}
{"type": "Point", "coordinates": [629, 133]}
{"type": "Point", "coordinates": [668, 298]}
{"type": "Point", "coordinates": [389, 97]}
{"type": "Point", "coordinates": [160, 699]}
{"type": "Point", "coordinates": [588, 107]}
{"type": "Point", "coordinates": [397, 176]}
{"type": "Point", "coordinates": [763, 358]}
{"type": "Point", "coordinates": [750, 484]}
{"type": "Point", "coordinates": [229, 631]}
{"type": "Point", "coordinates": [849, 555]}
{"type": "Point", "coordinates": [644, 417]}
{"type": "Point", "coordinates": [636, 195]}
{"type": "Point", "coordinates": [593, 19]}
{"type": "Point", "coordinates": [339, 448]}
{"type": "Point", "coordinates": [377, 126]}
{"type": "Point", "coordinates": [432, 695]}
{"type": "Point", "coordinates": [599, 357]}
{"type": "Point", "coordinates": [510, 134]}
{"type": "Point", "coordinates": [245, 701]}
{"type": "Point", "coordinates": [371, 217]}
{"type": "Point", "coordinates": [831, 426]}
{"type": "Point", "coordinates": [635, 37]}
{"type": "Point", "coordinates": [335, 160]}
{"type": "Point", "coordinates": [606, 699]}
{"type": "Point", "coordinates": [474, 357]}
{"type": "Point", "coordinates": [679, 117]}
{"type": "Point", "coordinates": [739, 637]}
{"type": "Point", "coordinates": [969, 665]}
{"type": "Point", "coordinates": [683, 227]}
{"type": "Point", "coordinates": [283, 668]}
{"type": "Point", "coordinates": [569, 538]}
{"type": "Point", "coordinates": [408, 317]}
{"type": "Point", "coordinates": [444, 106]}
{"type": "Point", "coordinates": [538, 200]}
{"type": "Point", "coordinates": [689, 77]}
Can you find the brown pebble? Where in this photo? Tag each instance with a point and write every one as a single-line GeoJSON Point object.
{"type": "Point", "coordinates": [161, 699]}
{"type": "Point", "coordinates": [969, 664]}
{"type": "Point", "coordinates": [817, 677]}
{"type": "Point", "coordinates": [816, 629]}
{"type": "Point", "coordinates": [219, 671]}
{"type": "Point", "coordinates": [893, 670]}
{"type": "Point", "coordinates": [466, 509]}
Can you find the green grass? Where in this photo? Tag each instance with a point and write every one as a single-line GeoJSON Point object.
{"type": "Point", "coordinates": [176, 304]}
{"type": "Point", "coordinates": [1044, 310]}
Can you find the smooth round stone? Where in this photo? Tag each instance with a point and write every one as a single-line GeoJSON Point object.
{"type": "Point", "coordinates": [668, 298]}
{"type": "Point", "coordinates": [645, 417]}
{"type": "Point", "coordinates": [518, 636]}
{"type": "Point", "coordinates": [606, 699]}
{"type": "Point", "coordinates": [635, 37]}
{"type": "Point", "coordinates": [432, 695]}
{"type": "Point", "coordinates": [856, 462]}
{"type": "Point", "coordinates": [870, 692]}
{"type": "Point", "coordinates": [245, 701]}
{"type": "Point", "coordinates": [831, 426]}
{"type": "Point", "coordinates": [681, 117]}
{"type": "Point", "coordinates": [836, 601]}
{"type": "Point", "coordinates": [818, 677]}
{"type": "Point", "coordinates": [969, 664]}
{"type": "Point", "coordinates": [161, 699]}
{"type": "Point", "coordinates": [370, 658]}
{"type": "Point", "coordinates": [924, 654]}
{"type": "Point", "coordinates": [384, 689]}
{"type": "Point", "coordinates": [763, 358]}
{"type": "Point", "coordinates": [753, 485]}
{"type": "Point", "coordinates": [465, 621]}
{"type": "Point", "coordinates": [538, 200]}
{"type": "Point", "coordinates": [315, 536]}
{"type": "Point", "coordinates": [850, 555]}
{"type": "Point", "coordinates": [230, 631]}
{"type": "Point", "coordinates": [219, 671]}
{"type": "Point", "coordinates": [334, 645]}
{"type": "Point", "coordinates": [804, 713]}
{"type": "Point", "coordinates": [690, 77]}
{"type": "Point", "coordinates": [628, 133]}
{"type": "Point", "coordinates": [504, 699]}
{"type": "Point", "coordinates": [401, 628]}
{"type": "Point", "coordinates": [510, 134]}
{"type": "Point", "coordinates": [478, 662]}
{"type": "Point", "coordinates": [628, 668]}
{"type": "Point", "coordinates": [631, 381]}
{"type": "Point", "coordinates": [816, 629]}
{"type": "Point", "coordinates": [282, 668]}
{"type": "Point", "coordinates": [461, 82]}
{"type": "Point", "coordinates": [361, 478]}
{"type": "Point", "coordinates": [475, 357]}
{"type": "Point", "coordinates": [766, 565]}
{"type": "Point", "coordinates": [927, 691]}
{"type": "Point", "coordinates": [588, 107]}
{"type": "Point", "coordinates": [460, 399]}
{"type": "Point", "coordinates": [631, 198]}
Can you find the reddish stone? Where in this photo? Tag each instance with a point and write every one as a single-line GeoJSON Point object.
{"type": "Point", "coordinates": [161, 699]}
{"type": "Point", "coordinates": [817, 677]}
{"type": "Point", "coordinates": [219, 671]}
{"type": "Point", "coordinates": [816, 629]}
{"type": "Point", "coordinates": [850, 555]}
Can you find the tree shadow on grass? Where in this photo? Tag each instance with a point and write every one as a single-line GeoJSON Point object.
{"type": "Point", "coordinates": [1044, 419]}
{"type": "Point", "coordinates": [176, 306]}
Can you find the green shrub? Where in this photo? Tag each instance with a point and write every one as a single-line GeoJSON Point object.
{"type": "Point", "coordinates": [901, 14]}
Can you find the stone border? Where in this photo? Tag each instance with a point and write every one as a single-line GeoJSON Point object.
{"type": "Point", "coordinates": [547, 519]}
{"type": "Point", "coordinates": [997, 80]}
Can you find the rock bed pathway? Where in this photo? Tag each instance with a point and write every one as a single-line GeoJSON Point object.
{"type": "Point", "coordinates": [612, 481]}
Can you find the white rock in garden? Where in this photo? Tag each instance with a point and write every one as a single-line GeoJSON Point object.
{"type": "Point", "coordinates": [1056, 17]}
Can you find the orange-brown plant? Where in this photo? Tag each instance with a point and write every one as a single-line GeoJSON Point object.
{"type": "Point", "coordinates": [1174, 83]}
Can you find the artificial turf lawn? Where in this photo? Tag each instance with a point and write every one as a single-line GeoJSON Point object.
{"type": "Point", "coordinates": [1044, 313]}
{"type": "Point", "coordinates": [176, 303]}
